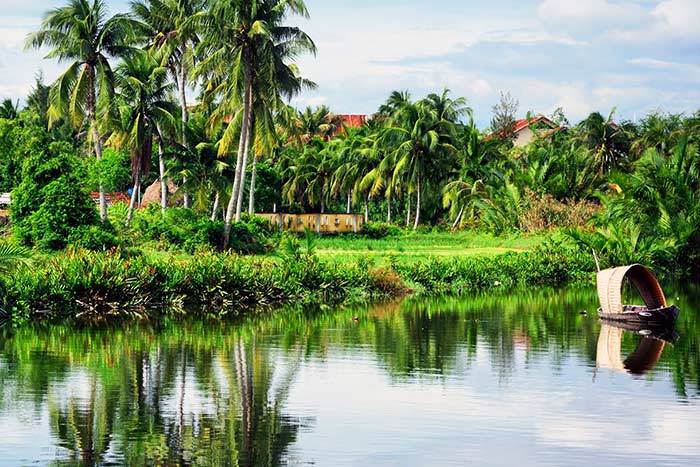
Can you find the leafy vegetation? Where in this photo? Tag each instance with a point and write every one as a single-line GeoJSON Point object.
{"type": "Point", "coordinates": [628, 190]}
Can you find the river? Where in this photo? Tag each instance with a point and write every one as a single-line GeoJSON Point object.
{"type": "Point", "coordinates": [518, 377]}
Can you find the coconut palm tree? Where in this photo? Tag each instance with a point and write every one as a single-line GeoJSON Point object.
{"type": "Point", "coordinates": [394, 102]}
{"type": "Point", "coordinates": [608, 141]}
{"type": "Point", "coordinates": [206, 174]}
{"type": "Point", "coordinates": [357, 155]}
{"type": "Point", "coordinates": [172, 28]}
{"type": "Point", "coordinates": [8, 110]}
{"type": "Point", "coordinates": [311, 123]}
{"type": "Point", "coordinates": [82, 34]}
{"type": "Point", "coordinates": [423, 134]}
{"type": "Point", "coordinates": [247, 49]}
{"type": "Point", "coordinates": [309, 175]}
{"type": "Point", "coordinates": [144, 111]}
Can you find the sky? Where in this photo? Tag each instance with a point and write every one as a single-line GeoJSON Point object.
{"type": "Point", "coordinates": [636, 56]}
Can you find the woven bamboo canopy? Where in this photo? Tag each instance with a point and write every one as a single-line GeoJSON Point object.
{"type": "Point", "coordinates": [610, 287]}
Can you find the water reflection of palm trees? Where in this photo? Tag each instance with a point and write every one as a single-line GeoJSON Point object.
{"type": "Point", "coordinates": [191, 391]}
{"type": "Point", "coordinates": [178, 402]}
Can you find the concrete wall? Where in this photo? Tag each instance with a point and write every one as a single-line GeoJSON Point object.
{"type": "Point", "coordinates": [321, 223]}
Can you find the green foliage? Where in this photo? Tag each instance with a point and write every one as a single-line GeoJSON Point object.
{"type": "Point", "coordinates": [290, 248]}
{"type": "Point", "coordinates": [376, 230]}
{"type": "Point", "coordinates": [553, 265]}
{"type": "Point", "coordinates": [13, 256]}
{"type": "Point", "coordinates": [187, 230]}
{"type": "Point", "coordinates": [91, 285]}
{"type": "Point", "coordinates": [655, 217]}
{"type": "Point", "coordinates": [51, 201]}
{"type": "Point", "coordinates": [94, 237]}
{"type": "Point", "coordinates": [113, 171]}
{"type": "Point", "coordinates": [11, 133]}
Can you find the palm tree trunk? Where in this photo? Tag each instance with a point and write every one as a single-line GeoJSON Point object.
{"type": "Point", "coordinates": [459, 218]}
{"type": "Point", "coordinates": [239, 161]}
{"type": "Point", "coordinates": [388, 210]}
{"type": "Point", "coordinates": [408, 210]}
{"type": "Point", "coordinates": [182, 84]}
{"type": "Point", "coordinates": [366, 210]}
{"type": "Point", "coordinates": [323, 203]}
{"type": "Point", "coordinates": [96, 140]}
{"type": "Point", "coordinates": [161, 172]}
{"type": "Point", "coordinates": [246, 154]}
{"type": "Point", "coordinates": [347, 211]}
{"type": "Point", "coordinates": [214, 211]}
{"type": "Point", "coordinates": [251, 195]}
{"type": "Point", "coordinates": [415, 224]}
{"type": "Point", "coordinates": [134, 194]}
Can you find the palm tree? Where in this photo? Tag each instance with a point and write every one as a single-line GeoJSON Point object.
{"type": "Point", "coordinates": [609, 142]}
{"type": "Point", "coordinates": [395, 101]}
{"type": "Point", "coordinates": [205, 172]}
{"type": "Point", "coordinates": [81, 33]}
{"type": "Point", "coordinates": [172, 28]}
{"type": "Point", "coordinates": [310, 123]}
{"type": "Point", "coordinates": [13, 256]}
{"type": "Point", "coordinates": [8, 110]}
{"type": "Point", "coordinates": [310, 175]}
{"type": "Point", "coordinates": [468, 185]}
{"type": "Point", "coordinates": [423, 134]}
{"type": "Point", "coordinates": [145, 111]}
{"type": "Point", "coordinates": [247, 48]}
{"type": "Point", "coordinates": [658, 131]}
{"type": "Point", "coordinates": [356, 157]}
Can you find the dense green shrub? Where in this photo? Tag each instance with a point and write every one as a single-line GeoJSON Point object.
{"type": "Point", "coordinates": [94, 237]}
{"type": "Point", "coordinates": [554, 266]}
{"type": "Point", "coordinates": [113, 170]}
{"type": "Point", "coordinates": [96, 285]}
{"type": "Point", "coordinates": [80, 283]}
{"type": "Point", "coordinates": [51, 201]}
{"type": "Point", "coordinates": [10, 162]}
{"type": "Point", "coordinates": [380, 230]}
{"type": "Point", "coordinates": [184, 228]}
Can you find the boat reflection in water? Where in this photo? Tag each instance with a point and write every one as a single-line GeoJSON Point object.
{"type": "Point", "coordinates": [646, 354]}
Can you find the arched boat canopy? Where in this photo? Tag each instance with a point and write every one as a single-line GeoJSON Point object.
{"type": "Point", "coordinates": [610, 281]}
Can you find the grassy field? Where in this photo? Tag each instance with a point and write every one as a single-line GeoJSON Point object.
{"type": "Point", "coordinates": [412, 247]}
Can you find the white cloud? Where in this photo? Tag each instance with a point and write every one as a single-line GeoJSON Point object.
{"type": "Point", "coordinates": [310, 100]}
{"type": "Point", "coordinates": [13, 37]}
{"type": "Point", "coordinates": [586, 16]}
{"type": "Point", "coordinates": [666, 65]}
{"type": "Point", "coordinates": [678, 18]}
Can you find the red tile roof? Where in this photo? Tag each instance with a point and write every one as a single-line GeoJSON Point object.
{"type": "Point", "coordinates": [524, 123]}
{"type": "Point", "coordinates": [353, 120]}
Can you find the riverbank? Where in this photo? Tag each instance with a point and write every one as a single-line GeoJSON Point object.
{"type": "Point", "coordinates": [81, 284]}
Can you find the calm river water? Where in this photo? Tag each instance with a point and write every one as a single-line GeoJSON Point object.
{"type": "Point", "coordinates": [519, 379]}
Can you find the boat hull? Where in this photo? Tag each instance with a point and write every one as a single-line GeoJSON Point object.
{"type": "Point", "coordinates": [642, 315]}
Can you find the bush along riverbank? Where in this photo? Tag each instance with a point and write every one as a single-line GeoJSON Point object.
{"type": "Point", "coordinates": [554, 266]}
{"type": "Point", "coordinates": [93, 285]}
{"type": "Point", "coordinates": [102, 285]}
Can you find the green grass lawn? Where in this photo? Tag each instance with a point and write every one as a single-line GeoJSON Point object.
{"type": "Point", "coordinates": [413, 247]}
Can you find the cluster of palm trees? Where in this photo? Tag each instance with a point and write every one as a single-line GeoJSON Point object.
{"type": "Point", "coordinates": [127, 83]}
{"type": "Point", "coordinates": [404, 148]}
{"type": "Point", "coordinates": [123, 70]}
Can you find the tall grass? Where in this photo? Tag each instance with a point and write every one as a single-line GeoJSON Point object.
{"type": "Point", "coordinates": [97, 285]}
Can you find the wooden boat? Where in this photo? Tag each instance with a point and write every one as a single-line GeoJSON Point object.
{"type": "Point", "coordinates": [655, 310]}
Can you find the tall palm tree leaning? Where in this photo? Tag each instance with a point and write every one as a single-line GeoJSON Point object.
{"type": "Point", "coordinates": [247, 49]}
{"type": "Point", "coordinates": [172, 28]}
{"type": "Point", "coordinates": [81, 33]}
{"type": "Point", "coordinates": [144, 112]}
